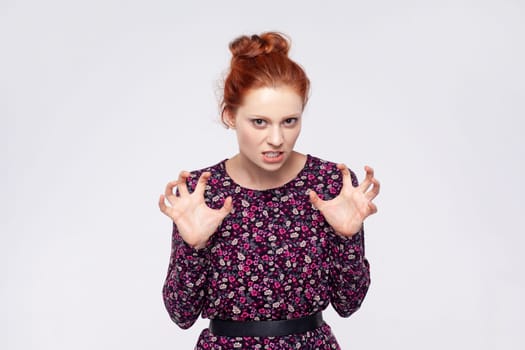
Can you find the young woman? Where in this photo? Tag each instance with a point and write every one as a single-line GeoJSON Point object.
{"type": "Point", "coordinates": [264, 241]}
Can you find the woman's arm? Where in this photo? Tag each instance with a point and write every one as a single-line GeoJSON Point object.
{"type": "Point", "coordinates": [183, 289]}
{"type": "Point", "coordinates": [349, 273]}
{"type": "Point", "coordinates": [194, 222]}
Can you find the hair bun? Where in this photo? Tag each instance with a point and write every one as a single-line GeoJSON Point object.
{"type": "Point", "coordinates": [249, 47]}
{"type": "Point", "coordinates": [260, 61]}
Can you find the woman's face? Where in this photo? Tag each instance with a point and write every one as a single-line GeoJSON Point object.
{"type": "Point", "coordinates": [267, 125]}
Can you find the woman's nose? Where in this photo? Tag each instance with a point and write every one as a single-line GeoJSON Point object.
{"type": "Point", "coordinates": [275, 136]}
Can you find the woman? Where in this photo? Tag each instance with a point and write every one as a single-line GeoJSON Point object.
{"type": "Point", "coordinates": [266, 240]}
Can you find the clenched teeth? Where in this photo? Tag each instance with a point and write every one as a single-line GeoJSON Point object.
{"type": "Point", "coordinates": [272, 154]}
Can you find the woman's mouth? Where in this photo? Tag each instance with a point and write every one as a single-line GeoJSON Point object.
{"type": "Point", "coordinates": [273, 157]}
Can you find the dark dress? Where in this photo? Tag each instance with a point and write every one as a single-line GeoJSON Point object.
{"type": "Point", "coordinates": [274, 257]}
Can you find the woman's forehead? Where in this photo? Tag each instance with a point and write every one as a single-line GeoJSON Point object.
{"type": "Point", "coordinates": [272, 101]}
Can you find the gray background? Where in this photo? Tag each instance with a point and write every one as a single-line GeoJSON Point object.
{"type": "Point", "coordinates": [103, 102]}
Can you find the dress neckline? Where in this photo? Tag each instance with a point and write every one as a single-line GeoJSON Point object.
{"type": "Point", "coordinates": [222, 166]}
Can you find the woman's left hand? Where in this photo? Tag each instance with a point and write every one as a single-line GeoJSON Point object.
{"type": "Point", "coordinates": [346, 212]}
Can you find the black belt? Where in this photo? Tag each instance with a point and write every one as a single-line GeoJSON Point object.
{"type": "Point", "coordinates": [272, 328]}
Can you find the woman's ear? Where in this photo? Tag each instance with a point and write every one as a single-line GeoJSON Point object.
{"type": "Point", "coordinates": [228, 119]}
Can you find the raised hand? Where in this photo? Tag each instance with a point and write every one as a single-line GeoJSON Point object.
{"type": "Point", "coordinates": [346, 212]}
{"type": "Point", "coordinates": [195, 221]}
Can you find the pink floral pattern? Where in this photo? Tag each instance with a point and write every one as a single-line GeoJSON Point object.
{"type": "Point", "coordinates": [274, 257]}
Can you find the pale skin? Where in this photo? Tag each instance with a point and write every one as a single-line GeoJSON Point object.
{"type": "Point", "coordinates": [196, 222]}
{"type": "Point", "coordinates": [347, 212]}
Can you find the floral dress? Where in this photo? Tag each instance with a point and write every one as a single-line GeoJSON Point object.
{"type": "Point", "coordinates": [274, 257]}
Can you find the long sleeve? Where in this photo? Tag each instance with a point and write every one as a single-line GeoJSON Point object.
{"type": "Point", "coordinates": [349, 273]}
{"type": "Point", "coordinates": [274, 257]}
{"type": "Point", "coordinates": [183, 289]}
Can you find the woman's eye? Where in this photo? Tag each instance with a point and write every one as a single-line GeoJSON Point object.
{"type": "Point", "coordinates": [258, 122]}
{"type": "Point", "coordinates": [290, 121]}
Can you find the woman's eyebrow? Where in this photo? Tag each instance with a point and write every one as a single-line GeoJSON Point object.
{"type": "Point", "coordinates": [298, 114]}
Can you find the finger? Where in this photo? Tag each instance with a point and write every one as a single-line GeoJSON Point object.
{"type": "Point", "coordinates": [372, 207]}
{"type": "Point", "coordinates": [168, 192]}
{"type": "Point", "coordinates": [227, 206]}
{"type": "Point", "coordinates": [367, 182]}
{"type": "Point", "coordinates": [369, 172]}
{"type": "Point", "coordinates": [182, 185]}
{"type": "Point", "coordinates": [201, 184]}
{"type": "Point", "coordinates": [316, 201]}
{"type": "Point", "coordinates": [345, 172]}
{"type": "Point", "coordinates": [374, 191]}
{"type": "Point", "coordinates": [162, 204]}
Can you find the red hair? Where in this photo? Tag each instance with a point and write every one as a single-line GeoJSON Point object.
{"type": "Point", "coordinates": [261, 61]}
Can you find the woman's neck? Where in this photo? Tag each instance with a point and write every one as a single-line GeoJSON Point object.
{"type": "Point", "coordinates": [247, 174]}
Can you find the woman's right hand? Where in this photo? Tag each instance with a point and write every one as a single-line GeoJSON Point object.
{"type": "Point", "coordinates": [196, 222]}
